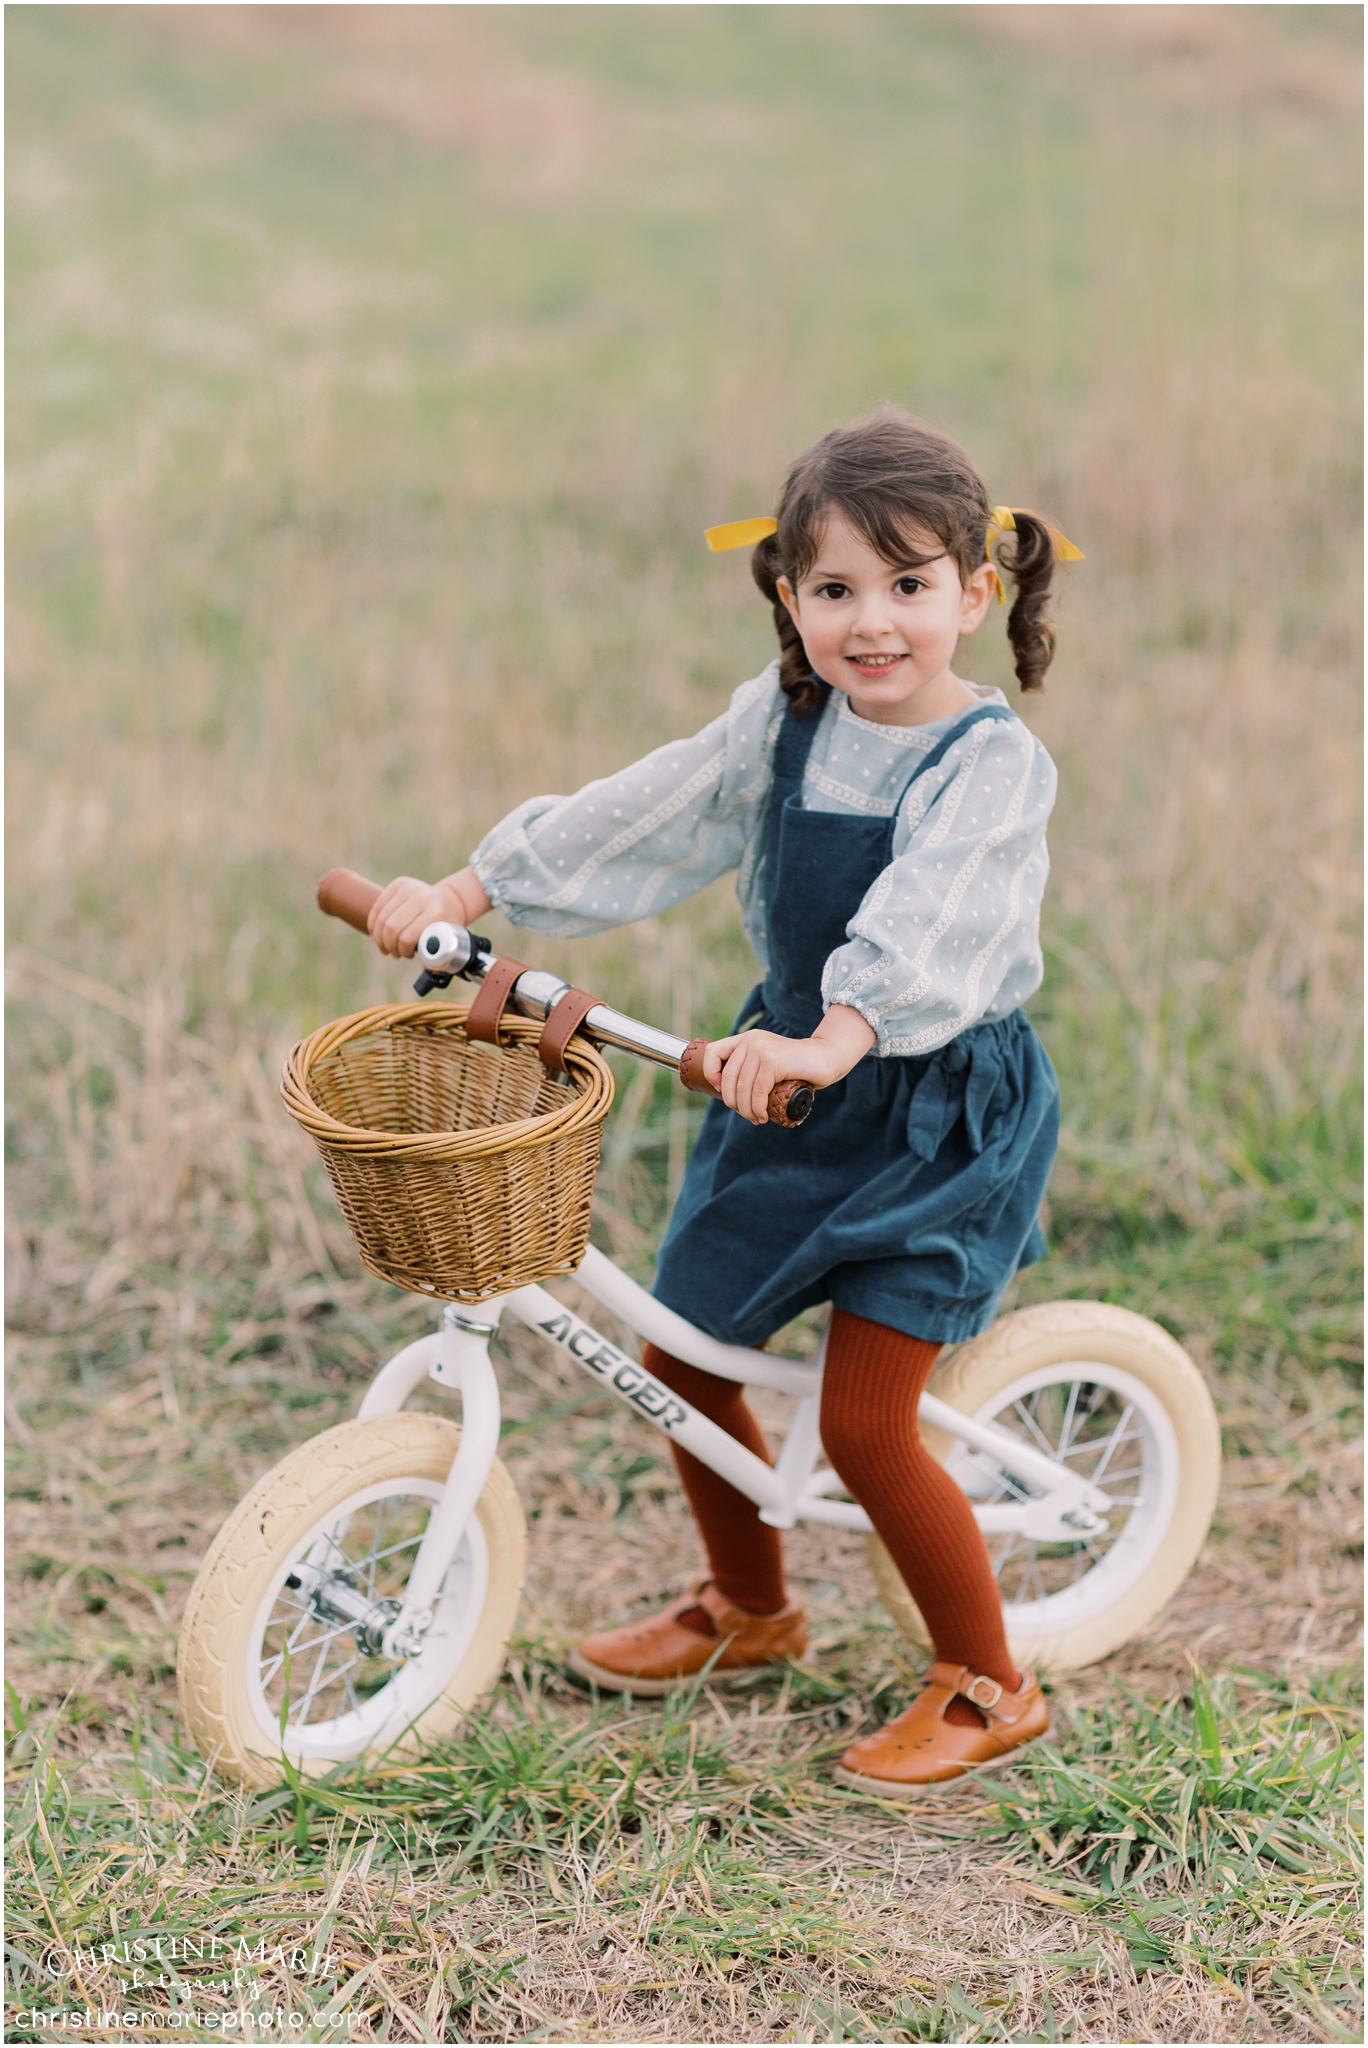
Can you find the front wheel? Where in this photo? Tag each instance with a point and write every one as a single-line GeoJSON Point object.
{"type": "Point", "coordinates": [280, 1647]}
{"type": "Point", "coordinates": [1120, 1403]}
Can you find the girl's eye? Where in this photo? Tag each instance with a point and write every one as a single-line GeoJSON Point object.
{"type": "Point", "coordinates": [833, 590]}
{"type": "Point", "coordinates": [908, 586]}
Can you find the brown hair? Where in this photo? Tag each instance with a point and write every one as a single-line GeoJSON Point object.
{"type": "Point", "coordinates": [897, 480]}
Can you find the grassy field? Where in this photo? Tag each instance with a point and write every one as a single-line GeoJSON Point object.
{"type": "Point", "coordinates": [372, 374]}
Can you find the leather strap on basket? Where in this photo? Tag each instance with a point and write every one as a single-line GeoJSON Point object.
{"type": "Point", "coordinates": [561, 1026]}
{"type": "Point", "coordinates": [482, 1021]}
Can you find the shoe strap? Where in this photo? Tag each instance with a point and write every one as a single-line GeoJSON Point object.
{"type": "Point", "coordinates": [728, 1619]}
{"type": "Point", "coordinates": [981, 1691]}
{"type": "Point", "coordinates": [725, 1618]}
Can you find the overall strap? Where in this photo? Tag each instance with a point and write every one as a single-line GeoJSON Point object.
{"type": "Point", "coordinates": [797, 731]}
{"type": "Point", "coordinates": [792, 746]}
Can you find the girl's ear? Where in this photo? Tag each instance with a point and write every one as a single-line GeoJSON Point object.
{"type": "Point", "coordinates": [976, 596]}
{"type": "Point", "coordinates": [787, 597]}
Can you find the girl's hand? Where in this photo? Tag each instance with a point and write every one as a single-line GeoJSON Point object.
{"type": "Point", "coordinates": [744, 1068]}
{"type": "Point", "coordinates": [403, 910]}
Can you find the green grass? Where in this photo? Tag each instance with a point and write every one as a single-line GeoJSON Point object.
{"type": "Point", "coordinates": [1194, 1785]}
{"type": "Point", "coordinates": [372, 374]}
{"type": "Point", "coordinates": [657, 1849]}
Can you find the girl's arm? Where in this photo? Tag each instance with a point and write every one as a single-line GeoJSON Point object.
{"type": "Point", "coordinates": [402, 910]}
{"type": "Point", "coordinates": [642, 839]}
{"type": "Point", "coordinates": [745, 1068]}
{"type": "Point", "coordinates": [620, 849]}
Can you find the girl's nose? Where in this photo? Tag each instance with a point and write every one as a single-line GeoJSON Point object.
{"type": "Point", "coordinates": [872, 618]}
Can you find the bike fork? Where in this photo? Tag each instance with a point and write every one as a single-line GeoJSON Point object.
{"type": "Point", "coordinates": [456, 1356]}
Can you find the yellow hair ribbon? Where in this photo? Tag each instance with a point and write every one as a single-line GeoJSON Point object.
{"type": "Point", "coordinates": [740, 533]}
{"type": "Point", "coordinates": [1002, 520]}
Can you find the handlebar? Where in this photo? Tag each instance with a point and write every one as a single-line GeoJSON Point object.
{"type": "Point", "coordinates": [448, 950]}
{"type": "Point", "coordinates": [347, 895]}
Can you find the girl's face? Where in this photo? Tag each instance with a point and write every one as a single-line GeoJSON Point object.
{"type": "Point", "coordinates": [886, 634]}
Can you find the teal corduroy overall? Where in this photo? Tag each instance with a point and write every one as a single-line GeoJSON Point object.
{"type": "Point", "coordinates": [911, 1194]}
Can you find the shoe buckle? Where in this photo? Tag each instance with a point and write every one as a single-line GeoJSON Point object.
{"type": "Point", "coordinates": [988, 1697]}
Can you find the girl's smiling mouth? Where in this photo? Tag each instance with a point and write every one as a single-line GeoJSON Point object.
{"type": "Point", "coordinates": [874, 664]}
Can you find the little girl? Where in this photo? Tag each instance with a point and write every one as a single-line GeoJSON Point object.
{"type": "Point", "coordinates": [887, 823]}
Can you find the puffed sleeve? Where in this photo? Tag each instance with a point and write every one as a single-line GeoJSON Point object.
{"type": "Point", "coordinates": [949, 933]}
{"type": "Point", "coordinates": [642, 839]}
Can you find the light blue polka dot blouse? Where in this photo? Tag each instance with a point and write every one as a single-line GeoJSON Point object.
{"type": "Point", "coordinates": [949, 934]}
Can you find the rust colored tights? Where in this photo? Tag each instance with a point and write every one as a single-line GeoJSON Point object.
{"type": "Point", "coordinates": [871, 1385]}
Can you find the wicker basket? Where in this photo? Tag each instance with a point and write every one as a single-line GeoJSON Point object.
{"type": "Point", "coordinates": [464, 1170]}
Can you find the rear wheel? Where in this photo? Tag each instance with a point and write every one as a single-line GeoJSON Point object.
{"type": "Point", "coordinates": [1120, 1403]}
{"type": "Point", "coordinates": [281, 1651]}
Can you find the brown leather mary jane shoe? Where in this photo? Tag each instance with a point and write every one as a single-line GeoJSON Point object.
{"type": "Point", "coordinates": [652, 1657]}
{"type": "Point", "coordinates": [921, 1750]}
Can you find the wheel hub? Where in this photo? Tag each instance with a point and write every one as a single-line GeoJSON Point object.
{"type": "Point", "coordinates": [334, 1598]}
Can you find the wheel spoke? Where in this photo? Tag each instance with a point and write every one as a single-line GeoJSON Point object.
{"type": "Point", "coordinates": [335, 1542]}
{"type": "Point", "coordinates": [1036, 1431]}
{"type": "Point", "coordinates": [312, 1689]}
{"type": "Point", "coordinates": [404, 1543]}
{"type": "Point", "coordinates": [1117, 1438]}
{"type": "Point", "coordinates": [1095, 1444]}
{"type": "Point", "coordinates": [293, 1639]}
{"type": "Point", "coordinates": [1002, 1479]}
{"type": "Point", "coordinates": [1066, 1426]}
{"type": "Point", "coordinates": [318, 1678]}
{"type": "Point", "coordinates": [383, 1515]}
{"type": "Point", "coordinates": [315, 1642]}
{"type": "Point", "coordinates": [329, 1635]}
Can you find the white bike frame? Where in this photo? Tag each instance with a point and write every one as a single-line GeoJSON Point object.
{"type": "Point", "coordinates": [1057, 1505]}
{"type": "Point", "coordinates": [1054, 1505]}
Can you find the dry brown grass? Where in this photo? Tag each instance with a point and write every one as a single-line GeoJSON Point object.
{"type": "Point", "coordinates": [140, 1412]}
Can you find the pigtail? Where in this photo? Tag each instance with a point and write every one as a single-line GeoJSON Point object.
{"type": "Point", "coordinates": [795, 670]}
{"type": "Point", "coordinates": [1030, 564]}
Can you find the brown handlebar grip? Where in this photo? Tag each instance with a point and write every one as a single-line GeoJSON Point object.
{"type": "Point", "coordinates": [691, 1067]}
{"type": "Point", "coordinates": [790, 1102]}
{"type": "Point", "coordinates": [348, 896]}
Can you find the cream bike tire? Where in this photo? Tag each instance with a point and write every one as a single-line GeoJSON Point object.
{"type": "Point", "coordinates": [266, 1672]}
{"type": "Point", "coordinates": [1126, 1407]}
